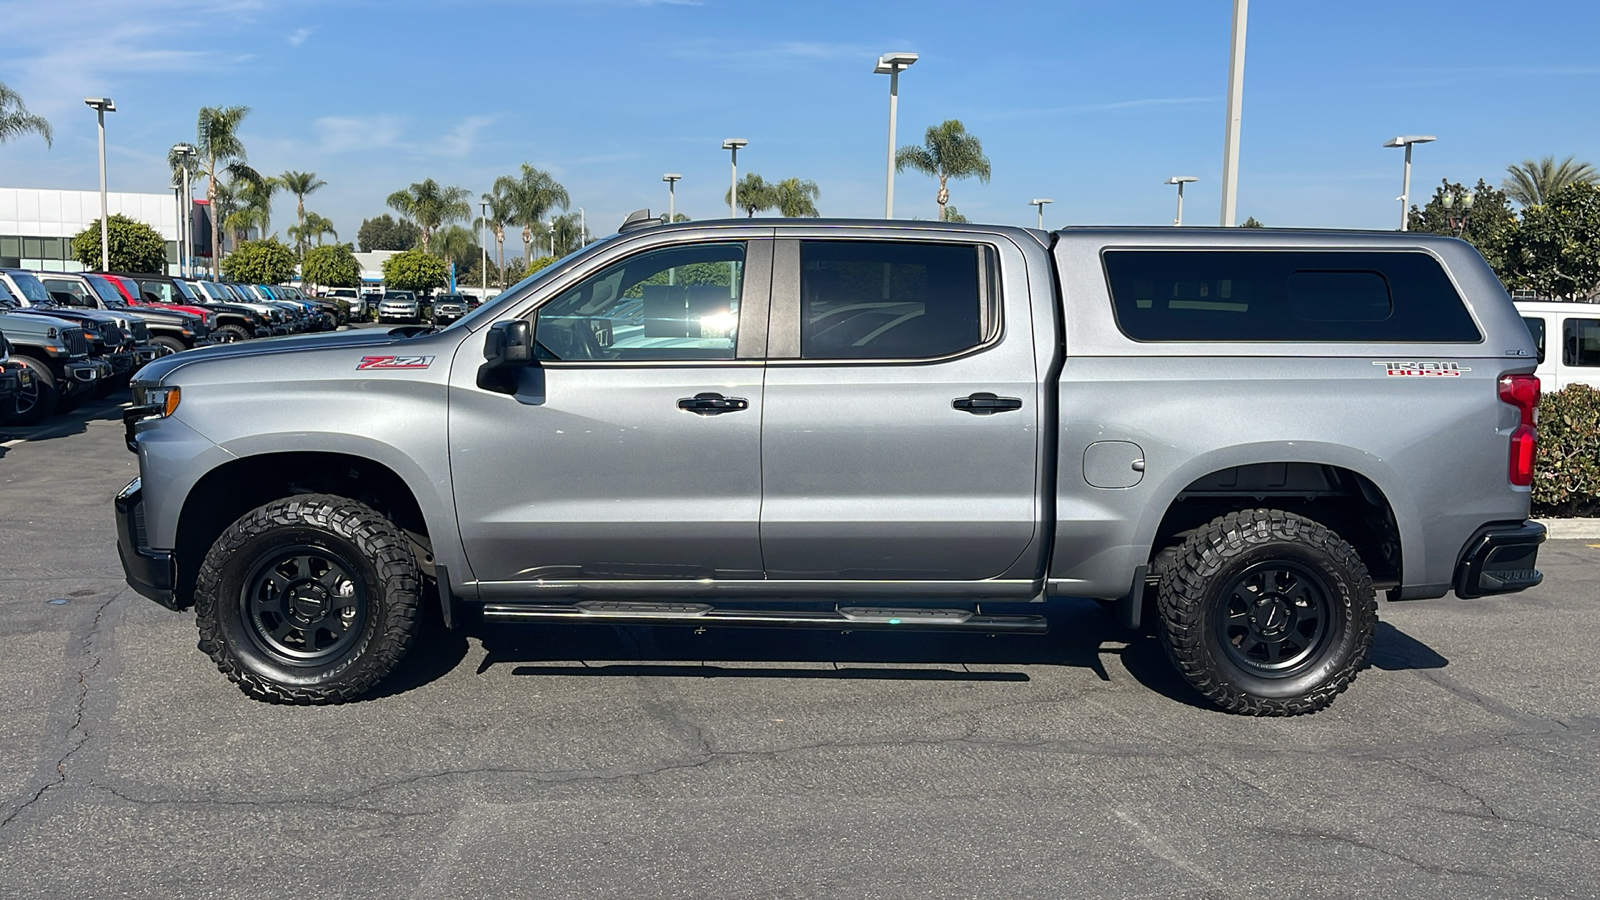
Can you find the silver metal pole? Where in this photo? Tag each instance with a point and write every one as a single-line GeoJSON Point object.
{"type": "Point", "coordinates": [1230, 149]}
{"type": "Point", "coordinates": [188, 220]}
{"type": "Point", "coordinates": [894, 105]}
{"type": "Point", "coordinates": [672, 197]}
{"type": "Point", "coordinates": [1405, 189]}
{"type": "Point", "coordinates": [1179, 219]}
{"type": "Point", "coordinates": [733, 183]}
{"type": "Point", "coordinates": [1041, 216]}
{"type": "Point", "coordinates": [483, 237]}
{"type": "Point", "coordinates": [105, 231]}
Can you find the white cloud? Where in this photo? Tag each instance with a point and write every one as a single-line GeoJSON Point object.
{"type": "Point", "coordinates": [337, 134]}
{"type": "Point", "coordinates": [299, 36]}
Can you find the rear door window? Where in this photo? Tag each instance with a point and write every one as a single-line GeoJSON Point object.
{"type": "Point", "coordinates": [1536, 331]}
{"type": "Point", "coordinates": [1285, 295]}
{"type": "Point", "coordinates": [882, 300]}
{"type": "Point", "coordinates": [1580, 343]}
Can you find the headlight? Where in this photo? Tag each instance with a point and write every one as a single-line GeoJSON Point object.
{"type": "Point", "coordinates": [160, 401]}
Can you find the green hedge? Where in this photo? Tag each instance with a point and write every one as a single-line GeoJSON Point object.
{"type": "Point", "coordinates": [1566, 474]}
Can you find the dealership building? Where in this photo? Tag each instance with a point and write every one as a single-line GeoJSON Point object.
{"type": "Point", "coordinates": [37, 225]}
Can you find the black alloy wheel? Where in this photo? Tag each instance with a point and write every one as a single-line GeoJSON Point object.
{"type": "Point", "coordinates": [304, 605]}
{"type": "Point", "coordinates": [1276, 617]}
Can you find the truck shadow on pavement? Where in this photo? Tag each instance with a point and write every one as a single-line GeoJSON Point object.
{"type": "Point", "coordinates": [65, 424]}
{"type": "Point", "coordinates": [1082, 635]}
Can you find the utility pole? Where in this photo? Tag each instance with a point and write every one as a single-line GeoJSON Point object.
{"type": "Point", "coordinates": [1230, 149]}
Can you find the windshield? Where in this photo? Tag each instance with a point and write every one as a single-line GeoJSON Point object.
{"type": "Point", "coordinates": [487, 310]}
{"type": "Point", "coordinates": [407, 296]}
{"type": "Point", "coordinates": [186, 292]}
{"type": "Point", "coordinates": [31, 288]}
{"type": "Point", "coordinates": [104, 289]}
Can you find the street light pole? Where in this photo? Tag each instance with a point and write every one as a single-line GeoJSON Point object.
{"type": "Point", "coordinates": [1230, 147]}
{"type": "Point", "coordinates": [1040, 203]}
{"type": "Point", "coordinates": [101, 106]}
{"type": "Point", "coordinates": [1406, 140]}
{"type": "Point", "coordinates": [733, 144]}
{"type": "Point", "coordinates": [892, 64]}
{"type": "Point", "coordinates": [1180, 181]}
{"type": "Point", "coordinates": [186, 211]}
{"type": "Point", "coordinates": [583, 228]}
{"type": "Point", "coordinates": [483, 238]}
{"type": "Point", "coordinates": [672, 179]}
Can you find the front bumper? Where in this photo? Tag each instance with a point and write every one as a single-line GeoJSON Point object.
{"type": "Point", "coordinates": [81, 374]}
{"type": "Point", "coordinates": [1500, 559]}
{"type": "Point", "coordinates": [146, 353]}
{"type": "Point", "coordinates": [153, 573]}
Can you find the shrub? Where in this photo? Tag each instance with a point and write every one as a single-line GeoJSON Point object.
{"type": "Point", "coordinates": [1566, 473]}
{"type": "Point", "coordinates": [135, 246]}
{"type": "Point", "coordinates": [260, 262]}
{"type": "Point", "coordinates": [414, 270]}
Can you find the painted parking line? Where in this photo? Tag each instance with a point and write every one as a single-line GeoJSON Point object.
{"type": "Point", "coordinates": [56, 431]}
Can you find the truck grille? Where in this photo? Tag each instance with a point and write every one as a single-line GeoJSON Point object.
{"type": "Point", "coordinates": [110, 333]}
{"type": "Point", "coordinates": [141, 331]}
{"type": "Point", "coordinates": [77, 344]}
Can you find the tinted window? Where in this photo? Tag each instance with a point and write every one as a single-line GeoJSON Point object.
{"type": "Point", "coordinates": [158, 292]}
{"type": "Point", "coordinates": [1268, 295]}
{"type": "Point", "coordinates": [872, 300]}
{"type": "Point", "coordinates": [69, 292]}
{"type": "Point", "coordinates": [676, 303]}
{"type": "Point", "coordinates": [1580, 342]}
{"type": "Point", "coordinates": [1536, 330]}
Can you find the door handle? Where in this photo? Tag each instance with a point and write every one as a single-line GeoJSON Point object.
{"type": "Point", "coordinates": [986, 404]}
{"type": "Point", "coordinates": [712, 404]}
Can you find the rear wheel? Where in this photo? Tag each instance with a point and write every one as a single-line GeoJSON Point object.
{"type": "Point", "coordinates": [39, 399]}
{"type": "Point", "coordinates": [1267, 613]}
{"type": "Point", "coordinates": [309, 599]}
{"type": "Point", "coordinates": [229, 334]}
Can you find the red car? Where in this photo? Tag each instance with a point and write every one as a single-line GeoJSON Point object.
{"type": "Point", "coordinates": [155, 293]}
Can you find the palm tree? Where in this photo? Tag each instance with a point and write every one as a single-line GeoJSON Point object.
{"type": "Point", "coordinates": [947, 151]}
{"type": "Point", "coordinates": [565, 235]}
{"type": "Point", "coordinates": [531, 195]}
{"type": "Point", "coordinates": [499, 213]}
{"type": "Point", "coordinates": [429, 205]}
{"type": "Point", "coordinates": [300, 184]}
{"type": "Point", "coordinates": [1534, 182]}
{"type": "Point", "coordinates": [238, 206]}
{"type": "Point", "coordinates": [796, 198]}
{"type": "Point", "coordinates": [755, 195]}
{"type": "Point", "coordinates": [311, 227]}
{"type": "Point", "coordinates": [457, 244]}
{"type": "Point", "coordinates": [15, 120]}
{"type": "Point", "coordinates": [217, 130]}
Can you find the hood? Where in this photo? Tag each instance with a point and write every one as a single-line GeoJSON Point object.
{"type": "Point", "coordinates": [331, 340]}
{"type": "Point", "coordinates": [21, 322]}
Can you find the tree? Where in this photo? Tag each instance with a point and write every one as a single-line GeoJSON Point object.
{"type": "Point", "coordinates": [532, 196]}
{"type": "Point", "coordinates": [384, 233]}
{"type": "Point", "coordinates": [312, 227]}
{"type": "Point", "coordinates": [218, 142]}
{"type": "Point", "coordinates": [414, 270]}
{"type": "Point", "coordinates": [797, 198]}
{"type": "Point", "coordinates": [1252, 222]}
{"type": "Point", "coordinates": [265, 261]}
{"type": "Point", "coordinates": [565, 234]}
{"type": "Point", "coordinates": [255, 192]}
{"type": "Point", "coordinates": [331, 266]}
{"type": "Point", "coordinates": [1488, 223]}
{"type": "Point", "coordinates": [950, 215]}
{"type": "Point", "coordinates": [498, 214]}
{"type": "Point", "coordinates": [428, 205]}
{"type": "Point", "coordinates": [458, 245]}
{"type": "Point", "coordinates": [135, 246]}
{"type": "Point", "coordinates": [948, 151]}
{"type": "Point", "coordinates": [755, 195]}
{"type": "Point", "coordinates": [300, 184]}
{"type": "Point", "coordinates": [1535, 181]}
{"type": "Point", "coordinates": [15, 120]}
{"type": "Point", "coordinates": [1556, 248]}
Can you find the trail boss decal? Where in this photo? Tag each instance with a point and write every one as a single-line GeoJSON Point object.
{"type": "Point", "coordinates": [394, 362]}
{"type": "Point", "coordinates": [1422, 369]}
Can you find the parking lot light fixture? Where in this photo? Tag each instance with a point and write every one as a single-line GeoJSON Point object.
{"type": "Point", "coordinates": [483, 238]}
{"type": "Point", "coordinates": [101, 106]}
{"type": "Point", "coordinates": [672, 179]}
{"type": "Point", "coordinates": [892, 64]}
{"type": "Point", "coordinates": [733, 145]}
{"type": "Point", "coordinates": [1180, 181]}
{"type": "Point", "coordinates": [186, 211]}
{"type": "Point", "coordinates": [1406, 141]}
{"type": "Point", "coordinates": [1040, 203]}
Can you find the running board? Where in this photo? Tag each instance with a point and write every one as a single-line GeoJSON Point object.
{"type": "Point", "coordinates": [848, 618]}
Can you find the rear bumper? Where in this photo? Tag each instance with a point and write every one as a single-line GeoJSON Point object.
{"type": "Point", "coordinates": [1500, 559]}
{"type": "Point", "coordinates": [153, 573]}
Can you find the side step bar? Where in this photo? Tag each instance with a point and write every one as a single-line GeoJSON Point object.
{"type": "Point", "coordinates": [848, 618]}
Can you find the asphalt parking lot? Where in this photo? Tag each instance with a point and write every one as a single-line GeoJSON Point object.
{"type": "Point", "coordinates": [655, 762]}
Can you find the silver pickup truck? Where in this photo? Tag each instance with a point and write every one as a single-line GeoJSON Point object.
{"type": "Point", "coordinates": [863, 425]}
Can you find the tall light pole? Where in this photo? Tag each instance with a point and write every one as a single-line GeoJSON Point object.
{"type": "Point", "coordinates": [583, 228]}
{"type": "Point", "coordinates": [1230, 147]}
{"type": "Point", "coordinates": [1406, 140]}
{"type": "Point", "coordinates": [672, 179]}
{"type": "Point", "coordinates": [1040, 203]}
{"type": "Point", "coordinates": [186, 214]}
{"type": "Point", "coordinates": [101, 106]}
{"type": "Point", "coordinates": [483, 239]}
{"type": "Point", "coordinates": [1180, 181]}
{"type": "Point", "coordinates": [733, 144]}
{"type": "Point", "coordinates": [892, 64]}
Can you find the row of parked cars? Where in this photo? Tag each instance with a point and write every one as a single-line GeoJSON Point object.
{"type": "Point", "coordinates": [68, 336]}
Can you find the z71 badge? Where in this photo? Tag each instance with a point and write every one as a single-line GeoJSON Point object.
{"type": "Point", "coordinates": [395, 362]}
{"type": "Point", "coordinates": [1422, 369]}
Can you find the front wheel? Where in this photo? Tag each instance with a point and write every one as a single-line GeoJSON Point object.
{"type": "Point", "coordinates": [167, 345]}
{"type": "Point", "coordinates": [231, 334]}
{"type": "Point", "coordinates": [309, 599]}
{"type": "Point", "coordinates": [39, 399]}
{"type": "Point", "coordinates": [1267, 613]}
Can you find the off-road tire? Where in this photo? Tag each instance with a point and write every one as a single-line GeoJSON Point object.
{"type": "Point", "coordinates": [43, 397]}
{"type": "Point", "coordinates": [1197, 588]}
{"type": "Point", "coordinates": [169, 344]}
{"type": "Point", "coordinates": [389, 592]}
{"type": "Point", "coordinates": [231, 334]}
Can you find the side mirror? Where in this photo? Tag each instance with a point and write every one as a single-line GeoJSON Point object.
{"type": "Point", "coordinates": [507, 348]}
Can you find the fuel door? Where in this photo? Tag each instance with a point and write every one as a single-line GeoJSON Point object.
{"type": "Point", "coordinates": [1113, 464]}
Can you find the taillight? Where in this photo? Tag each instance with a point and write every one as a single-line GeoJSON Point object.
{"type": "Point", "coordinates": [1522, 391]}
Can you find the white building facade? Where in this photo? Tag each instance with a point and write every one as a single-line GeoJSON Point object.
{"type": "Point", "coordinates": [37, 225]}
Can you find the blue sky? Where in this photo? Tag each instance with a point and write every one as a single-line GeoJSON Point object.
{"type": "Point", "coordinates": [1091, 104]}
